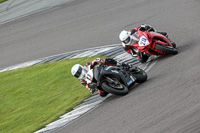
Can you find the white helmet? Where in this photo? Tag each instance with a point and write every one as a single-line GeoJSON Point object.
{"type": "Point", "coordinates": [124, 37]}
{"type": "Point", "coordinates": [78, 71]}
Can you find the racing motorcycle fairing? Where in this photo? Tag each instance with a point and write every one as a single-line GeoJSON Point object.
{"type": "Point", "coordinates": [100, 72]}
{"type": "Point", "coordinates": [148, 40]}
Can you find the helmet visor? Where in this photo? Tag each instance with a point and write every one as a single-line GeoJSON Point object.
{"type": "Point", "coordinates": [78, 73]}
{"type": "Point", "coordinates": [127, 40]}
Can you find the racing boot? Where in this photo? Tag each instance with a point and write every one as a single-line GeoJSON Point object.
{"type": "Point", "coordinates": [142, 57]}
{"type": "Point", "coordinates": [102, 93]}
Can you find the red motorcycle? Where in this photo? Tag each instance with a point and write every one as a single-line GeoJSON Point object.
{"type": "Point", "coordinates": [153, 43]}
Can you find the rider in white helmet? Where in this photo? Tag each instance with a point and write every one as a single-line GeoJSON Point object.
{"type": "Point", "coordinates": [79, 72]}
{"type": "Point", "coordinates": [128, 38]}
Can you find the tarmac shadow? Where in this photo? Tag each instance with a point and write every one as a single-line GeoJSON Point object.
{"type": "Point", "coordinates": [187, 46]}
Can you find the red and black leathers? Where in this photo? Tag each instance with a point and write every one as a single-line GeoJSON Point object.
{"type": "Point", "coordinates": [131, 49]}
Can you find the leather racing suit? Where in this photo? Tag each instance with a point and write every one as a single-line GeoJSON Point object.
{"type": "Point", "coordinates": [91, 65]}
{"type": "Point", "coordinates": [142, 57]}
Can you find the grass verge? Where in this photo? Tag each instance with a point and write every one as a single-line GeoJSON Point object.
{"type": "Point", "coordinates": [34, 96]}
{"type": "Point", "coordinates": [1, 1]}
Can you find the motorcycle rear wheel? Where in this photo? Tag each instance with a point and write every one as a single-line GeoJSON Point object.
{"type": "Point", "coordinates": [165, 49]}
{"type": "Point", "coordinates": [122, 91]}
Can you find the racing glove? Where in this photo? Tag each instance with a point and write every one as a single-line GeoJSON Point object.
{"type": "Point", "coordinates": [134, 52]}
{"type": "Point", "coordinates": [99, 60]}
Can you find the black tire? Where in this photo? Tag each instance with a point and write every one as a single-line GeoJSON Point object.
{"type": "Point", "coordinates": [109, 89]}
{"type": "Point", "coordinates": [140, 75]}
{"type": "Point", "coordinates": [174, 44]}
{"type": "Point", "coordinates": [167, 50]}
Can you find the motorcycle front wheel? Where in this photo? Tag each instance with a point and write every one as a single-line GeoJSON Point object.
{"type": "Point", "coordinates": [165, 49]}
{"type": "Point", "coordinates": [139, 74]}
{"type": "Point", "coordinates": [113, 89]}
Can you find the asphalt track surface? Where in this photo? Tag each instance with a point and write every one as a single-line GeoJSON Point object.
{"type": "Point", "coordinates": [168, 102]}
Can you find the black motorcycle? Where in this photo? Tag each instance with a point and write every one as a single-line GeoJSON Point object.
{"type": "Point", "coordinates": [115, 79]}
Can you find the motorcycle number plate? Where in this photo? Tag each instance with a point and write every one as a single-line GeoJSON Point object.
{"type": "Point", "coordinates": [143, 41]}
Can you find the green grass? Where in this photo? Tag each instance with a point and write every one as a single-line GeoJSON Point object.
{"type": "Point", "coordinates": [34, 96]}
{"type": "Point", "coordinates": [1, 1]}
